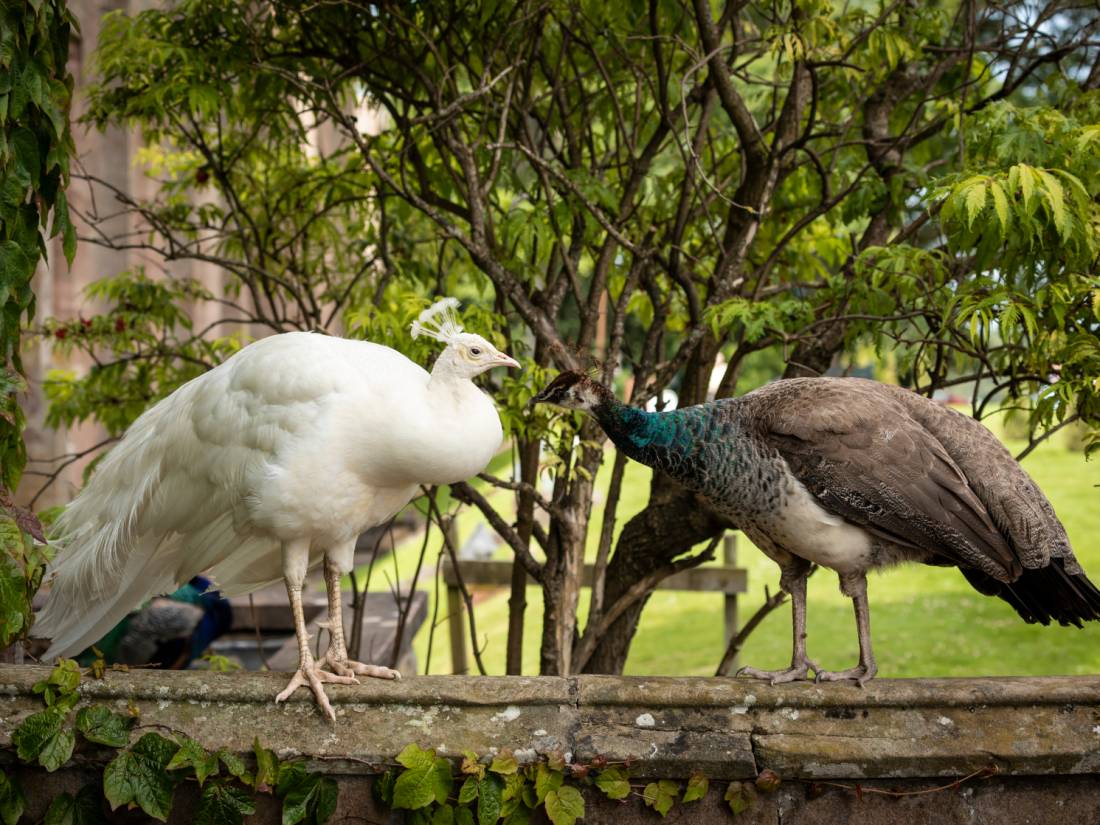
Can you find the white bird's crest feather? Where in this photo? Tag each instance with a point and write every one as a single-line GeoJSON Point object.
{"type": "Point", "coordinates": [438, 321]}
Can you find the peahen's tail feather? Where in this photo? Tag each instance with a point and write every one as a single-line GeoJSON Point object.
{"type": "Point", "coordinates": [1045, 594]}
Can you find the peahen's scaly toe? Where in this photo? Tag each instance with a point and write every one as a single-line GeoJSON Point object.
{"type": "Point", "coordinates": [797, 672]}
{"type": "Point", "coordinates": [861, 675]}
{"type": "Point", "coordinates": [313, 676]}
{"type": "Point", "coordinates": [349, 667]}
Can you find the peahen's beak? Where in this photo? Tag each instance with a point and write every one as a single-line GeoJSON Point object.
{"type": "Point", "coordinates": [505, 361]}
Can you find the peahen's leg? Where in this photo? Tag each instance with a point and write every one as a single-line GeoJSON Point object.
{"type": "Point", "coordinates": [793, 581]}
{"type": "Point", "coordinates": [855, 586]}
{"type": "Point", "coordinates": [337, 656]}
{"type": "Point", "coordinates": [295, 564]}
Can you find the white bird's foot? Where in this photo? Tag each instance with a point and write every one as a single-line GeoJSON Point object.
{"type": "Point", "coordinates": [797, 672]}
{"type": "Point", "coordinates": [349, 667]}
{"type": "Point", "coordinates": [861, 674]}
{"type": "Point", "coordinates": [313, 676]}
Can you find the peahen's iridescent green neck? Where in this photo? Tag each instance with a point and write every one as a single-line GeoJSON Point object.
{"type": "Point", "coordinates": [646, 437]}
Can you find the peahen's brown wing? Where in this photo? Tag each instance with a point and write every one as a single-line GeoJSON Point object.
{"type": "Point", "coordinates": [867, 460]}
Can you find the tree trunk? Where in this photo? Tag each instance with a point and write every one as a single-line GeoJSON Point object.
{"type": "Point", "coordinates": [674, 521]}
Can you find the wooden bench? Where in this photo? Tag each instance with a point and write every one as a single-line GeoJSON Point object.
{"type": "Point", "coordinates": [726, 579]}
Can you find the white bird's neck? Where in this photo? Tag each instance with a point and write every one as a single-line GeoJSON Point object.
{"type": "Point", "coordinates": [448, 373]}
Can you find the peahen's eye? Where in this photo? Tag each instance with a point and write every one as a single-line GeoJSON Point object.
{"type": "Point", "coordinates": [475, 351]}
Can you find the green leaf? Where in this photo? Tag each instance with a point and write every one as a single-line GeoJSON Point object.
{"type": "Point", "coordinates": [697, 787]}
{"type": "Point", "coordinates": [235, 765]}
{"type": "Point", "coordinates": [546, 780]}
{"type": "Point", "coordinates": [140, 776]}
{"type": "Point", "coordinates": [468, 792]}
{"type": "Point", "coordinates": [105, 727]}
{"type": "Point", "coordinates": [267, 767]}
{"type": "Point", "coordinates": [739, 796]}
{"type": "Point", "coordinates": [62, 223]}
{"type": "Point", "coordinates": [975, 201]}
{"type": "Point", "coordinates": [63, 680]}
{"type": "Point", "coordinates": [193, 755]}
{"type": "Point", "coordinates": [12, 801]}
{"type": "Point", "coordinates": [1055, 198]}
{"type": "Point", "coordinates": [443, 815]}
{"type": "Point", "coordinates": [489, 791]}
{"type": "Point", "coordinates": [1027, 182]}
{"type": "Point", "coordinates": [27, 157]}
{"type": "Point", "coordinates": [43, 737]}
{"type": "Point", "coordinates": [614, 783]}
{"type": "Point", "coordinates": [306, 796]}
{"type": "Point", "coordinates": [223, 804]}
{"type": "Point", "coordinates": [661, 795]}
{"type": "Point", "coordinates": [1000, 206]}
{"type": "Point", "coordinates": [426, 780]}
{"type": "Point", "coordinates": [86, 808]}
{"type": "Point", "coordinates": [504, 763]}
{"type": "Point", "coordinates": [565, 805]}
{"type": "Point", "coordinates": [464, 816]}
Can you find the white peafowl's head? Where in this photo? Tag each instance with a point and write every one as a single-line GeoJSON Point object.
{"type": "Point", "coordinates": [467, 354]}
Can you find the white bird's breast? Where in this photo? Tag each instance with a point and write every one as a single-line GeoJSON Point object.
{"type": "Point", "coordinates": [803, 527]}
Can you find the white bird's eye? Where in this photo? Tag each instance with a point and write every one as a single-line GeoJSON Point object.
{"type": "Point", "coordinates": [475, 351]}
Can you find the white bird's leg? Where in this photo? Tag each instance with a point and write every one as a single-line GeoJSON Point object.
{"type": "Point", "coordinates": [337, 656]}
{"type": "Point", "coordinates": [855, 587]}
{"type": "Point", "coordinates": [793, 581]}
{"type": "Point", "coordinates": [295, 564]}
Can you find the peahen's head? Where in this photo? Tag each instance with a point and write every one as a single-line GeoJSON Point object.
{"type": "Point", "coordinates": [573, 391]}
{"type": "Point", "coordinates": [467, 354]}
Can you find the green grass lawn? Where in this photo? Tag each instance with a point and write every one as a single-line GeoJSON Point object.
{"type": "Point", "coordinates": [927, 621]}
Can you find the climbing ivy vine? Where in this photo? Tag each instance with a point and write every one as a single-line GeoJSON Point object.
{"type": "Point", "coordinates": [35, 145]}
{"type": "Point", "coordinates": [146, 773]}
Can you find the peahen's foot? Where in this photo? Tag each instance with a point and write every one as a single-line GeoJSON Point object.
{"type": "Point", "coordinates": [349, 667]}
{"type": "Point", "coordinates": [313, 676]}
{"type": "Point", "coordinates": [861, 674]}
{"type": "Point", "coordinates": [797, 672]}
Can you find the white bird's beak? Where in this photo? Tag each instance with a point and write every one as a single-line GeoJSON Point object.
{"type": "Point", "coordinates": [506, 361]}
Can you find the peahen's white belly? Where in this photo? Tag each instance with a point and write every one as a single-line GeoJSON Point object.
{"type": "Point", "coordinates": [803, 527]}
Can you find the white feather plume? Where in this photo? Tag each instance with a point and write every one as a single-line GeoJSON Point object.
{"type": "Point", "coordinates": [438, 321]}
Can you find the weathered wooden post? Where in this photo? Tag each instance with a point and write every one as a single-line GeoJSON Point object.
{"type": "Point", "coordinates": [456, 617]}
{"type": "Point", "coordinates": [729, 559]}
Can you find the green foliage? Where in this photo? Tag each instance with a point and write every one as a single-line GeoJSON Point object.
{"type": "Point", "coordinates": [145, 775]}
{"type": "Point", "coordinates": [86, 808]}
{"type": "Point", "coordinates": [12, 801]}
{"type": "Point", "coordinates": [35, 144]}
{"type": "Point", "coordinates": [661, 795]}
{"type": "Point", "coordinates": [139, 777]}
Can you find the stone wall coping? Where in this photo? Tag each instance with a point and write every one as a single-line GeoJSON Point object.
{"type": "Point", "coordinates": [663, 726]}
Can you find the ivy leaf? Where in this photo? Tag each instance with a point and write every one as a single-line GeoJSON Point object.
{"type": "Point", "coordinates": [464, 816]}
{"type": "Point", "coordinates": [193, 755]}
{"type": "Point", "coordinates": [86, 808]}
{"type": "Point", "coordinates": [223, 804]}
{"type": "Point", "coordinates": [489, 792]}
{"type": "Point", "coordinates": [661, 795]}
{"type": "Point", "coordinates": [140, 776]}
{"type": "Point", "coordinates": [235, 765]}
{"type": "Point", "coordinates": [426, 780]}
{"type": "Point", "coordinates": [63, 681]}
{"type": "Point", "coordinates": [103, 726]}
{"type": "Point", "coordinates": [697, 787]}
{"type": "Point", "coordinates": [468, 792]}
{"type": "Point", "coordinates": [267, 767]}
{"type": "Point", "coordinates": [42, 737]}
{"type": "Point", "coordinates": [613, 782]}
{"type": "Point", "coordinates": [520, 816]}
{"type": "Point", "coordinates": [546, 780]}
{"type": "Point", "coordinates": [383, 788]}
{"type": "Point", "coordinates": [63, 223]}
{"type": "Point", "coordinates": [739, 796]}
{"type": "Point", "coordinates": [443, 815]}
{"type": "Point", "coordinates": [504, 763]}
{"type": "Point", "coordinates": [565, 805]}
{"type": "Point", "coordinates": [12, 801]}
{"type": "Point", "coordinates": [307, 797]}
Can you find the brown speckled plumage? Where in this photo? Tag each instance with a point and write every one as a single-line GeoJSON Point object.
{"type": "Point", "coordinates": [853, 475]}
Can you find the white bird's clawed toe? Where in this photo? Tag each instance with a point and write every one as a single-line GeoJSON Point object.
{"type": "Point", "coordinates": [314, 676]}
{"type": "Point", "coordinates": [798, 673]}
{"type": "Point", "coordinates": [349, 667]}
{"type": "Point", "coordinates": [860, 675]}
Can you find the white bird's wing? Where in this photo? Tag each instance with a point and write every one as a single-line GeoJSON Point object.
{"type": "Point", "coordinates": [176, 496]}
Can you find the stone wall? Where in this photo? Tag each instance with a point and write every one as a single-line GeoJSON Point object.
{"type": "Point", "coordinates": [1030, 747]}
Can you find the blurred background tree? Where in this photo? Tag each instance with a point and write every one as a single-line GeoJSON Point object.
{"type": "Point", "coordinates": [690, 197]}
{"type": "Point", "coordinates": [35, 144]}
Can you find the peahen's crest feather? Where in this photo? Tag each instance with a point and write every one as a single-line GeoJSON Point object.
{"type": "Point", "coordinates": [438, 321]}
